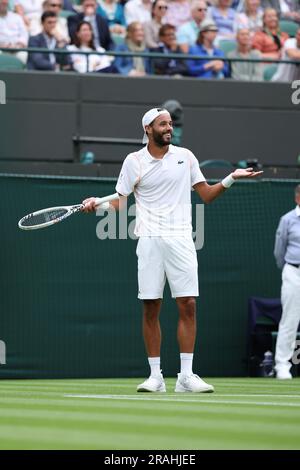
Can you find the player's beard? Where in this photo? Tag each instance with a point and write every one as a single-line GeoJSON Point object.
{"type": "Point", "coordinates": [159, 139]}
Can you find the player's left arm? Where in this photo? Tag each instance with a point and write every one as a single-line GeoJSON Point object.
{"type": "Point", "coordinates": [209, 193]}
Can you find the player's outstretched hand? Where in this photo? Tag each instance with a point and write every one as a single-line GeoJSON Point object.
{"type": "Point", "coordinates": [89, 204]}
{"type": "Point", "coordinates": [245, 173]}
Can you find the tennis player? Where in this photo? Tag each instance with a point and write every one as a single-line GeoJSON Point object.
{"type": "Point", "coordinates": [161, 177]}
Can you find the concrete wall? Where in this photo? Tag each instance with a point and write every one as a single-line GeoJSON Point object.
{"type": "Point", "coordinates": [222, 119]}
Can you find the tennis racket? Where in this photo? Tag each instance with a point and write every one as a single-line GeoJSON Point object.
{"type": "Point", "coordinates": [52, 215]}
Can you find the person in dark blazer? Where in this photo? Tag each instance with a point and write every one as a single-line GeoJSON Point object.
{"type": "Point", "coordinates": [168, 45]}
{"type": "Point", "coordinates": [46, 39]}
{"type": "Point", "coordinates": [99, 25]}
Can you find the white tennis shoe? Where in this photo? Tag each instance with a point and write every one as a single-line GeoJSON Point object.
{"type": "Point", "coordinates": [192, 383]}
{"type": "Point", "coordinates": [153, 384]}
{"type": "Point", "coordinates": [283, 374]}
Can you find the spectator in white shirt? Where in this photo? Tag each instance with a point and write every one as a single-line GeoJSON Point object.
{"type": "Point", "coordinates": [13, 33]}
{"type": "Point", "coordinates": [138, 10]}
{"type": "Point", "coordinates": [84, 41]}
{"type": "Point", "coordinates": [290, 51]}
{"type": "Point", "coordinates": [29, 10]}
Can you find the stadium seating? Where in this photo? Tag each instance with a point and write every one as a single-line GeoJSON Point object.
{"type": "Point", "coordinates": [269, 72]}
{"type": "Point", "coordinates": [66, 13]}
{"type": "Point", "coordinates": [289, 27]}
{"type": "Point", "coordinates": [216, 164]}
{"type": "Point", "coordinates": [10, 62]}
{"type": "Point", "coordinates": [227, 46]}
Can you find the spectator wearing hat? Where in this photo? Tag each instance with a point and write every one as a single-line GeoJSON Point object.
{"type": "Point", "coordinates": [247, 71]}
{"type": "Point", "coordinates": [204, 46]}
{"type": "Point", "coordinates": [188, 32]}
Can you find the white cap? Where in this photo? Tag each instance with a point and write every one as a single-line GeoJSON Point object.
{"type": "Point", "coordinates": [149, 117]}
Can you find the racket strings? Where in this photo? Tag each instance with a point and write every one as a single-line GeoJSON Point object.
{"type": "Point", "coordinates": [44, 217]}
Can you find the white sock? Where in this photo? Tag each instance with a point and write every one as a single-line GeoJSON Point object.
{"type": "Point", "coordinates": [186, 363]}
{"type": "Point", "coordinates": [154, 363]}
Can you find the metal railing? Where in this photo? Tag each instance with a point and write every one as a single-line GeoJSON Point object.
{"type": "Point", "coordinates": [149, 55]}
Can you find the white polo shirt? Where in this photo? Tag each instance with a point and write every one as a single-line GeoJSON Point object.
{"type": "Point", "coordinates": [162, 189]}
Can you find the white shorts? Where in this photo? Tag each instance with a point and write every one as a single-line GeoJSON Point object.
{"type": "Point", "coordinates": [161, 258]}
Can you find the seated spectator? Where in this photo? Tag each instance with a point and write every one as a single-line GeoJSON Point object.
{"type": "Point", "coordinates": [46, 39]}
{"type": "Point", "coordinates": [179, 12]}
{"type": "Point", "coordinates": [248, 71]}
{"type": "Point", "coordinates": [224, 16]}
{"type": "Point", "coordinates": [138, 10]}
{"type": "Point", "coordinates": [84, 41]}
{"type": "Point", "coordinates": [290, 51]}
{"type": "Point", "coordinates": [286, 9]}
{"type": "Point", "coordinates": [168, 45]}
{"type": "Point", "coordinates": [61, 32]}
{"type": "Point", "coordinates": [204, 47]}
{"type": "Point", "coordinates": [134, 42]}
{"type": "Point", "coordinates": [113, 12]}
{"type": "Point", "coordinates": [151, 28]}
{"type": "Point", "coordinates": [13, 32]}
{"type": "Point", "coordinates": [100, 27]}
{"type": "Point", "coordinates": [188, 32]}
{"type": "Point", "coordinates": [270, 40]}
{"type": "Point", "coordinates": [250, 18]}
{"type": "Point", "coordinates": [29, 10]}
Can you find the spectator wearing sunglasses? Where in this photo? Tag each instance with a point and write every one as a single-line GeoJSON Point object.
{"type": "Point", "coordinates": [151, 28]}
{"type": "Point", "coordinates": [187, 34]}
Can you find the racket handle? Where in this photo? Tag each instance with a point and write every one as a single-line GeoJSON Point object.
{"type": "Point", "coordinates": [101, 200]}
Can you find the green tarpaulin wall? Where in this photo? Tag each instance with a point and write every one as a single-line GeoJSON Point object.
{"type": "Point", "coordinates": [68, 300]}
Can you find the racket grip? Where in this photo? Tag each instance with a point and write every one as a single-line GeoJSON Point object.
{"type": "Point", "coordinates": [106, 199]}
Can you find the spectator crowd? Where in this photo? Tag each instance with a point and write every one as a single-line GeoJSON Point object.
{"type": "Point", "coordinates": [215, 30]}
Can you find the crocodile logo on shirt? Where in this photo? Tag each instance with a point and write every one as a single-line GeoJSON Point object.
{"type": "Point", "coordinates": [180, 161]}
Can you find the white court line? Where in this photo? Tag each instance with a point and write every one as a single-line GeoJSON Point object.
{"type": "Point", "coordinates": [176, 400]}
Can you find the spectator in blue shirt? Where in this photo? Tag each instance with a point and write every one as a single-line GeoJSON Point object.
{"type": "Point", "coordinates": [204, 47]}
{"type": "Point", "coordinates": [287, 255]}
{"type": "Point", "coordinates": [133, 66]}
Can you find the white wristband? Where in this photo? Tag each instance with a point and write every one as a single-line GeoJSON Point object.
{"type": "Point", "coordinates": [228, 181]}
{"type": "Point", "coordinates": [104, 206]}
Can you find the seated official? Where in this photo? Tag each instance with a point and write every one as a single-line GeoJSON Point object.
{"type": "Point", "coordinates": [46, 39]}
{"type": "Point", "coordinates": [202, 68]}
{"type": "Point", "coordinates": [134, 42]}
{"type": "Point", "coordinates": [84, 41]}
{"type": "Point", "coordinates": [168, 45]}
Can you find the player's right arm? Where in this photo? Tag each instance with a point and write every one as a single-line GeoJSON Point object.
{"type": "Point", "coordinates": [128, 178]}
